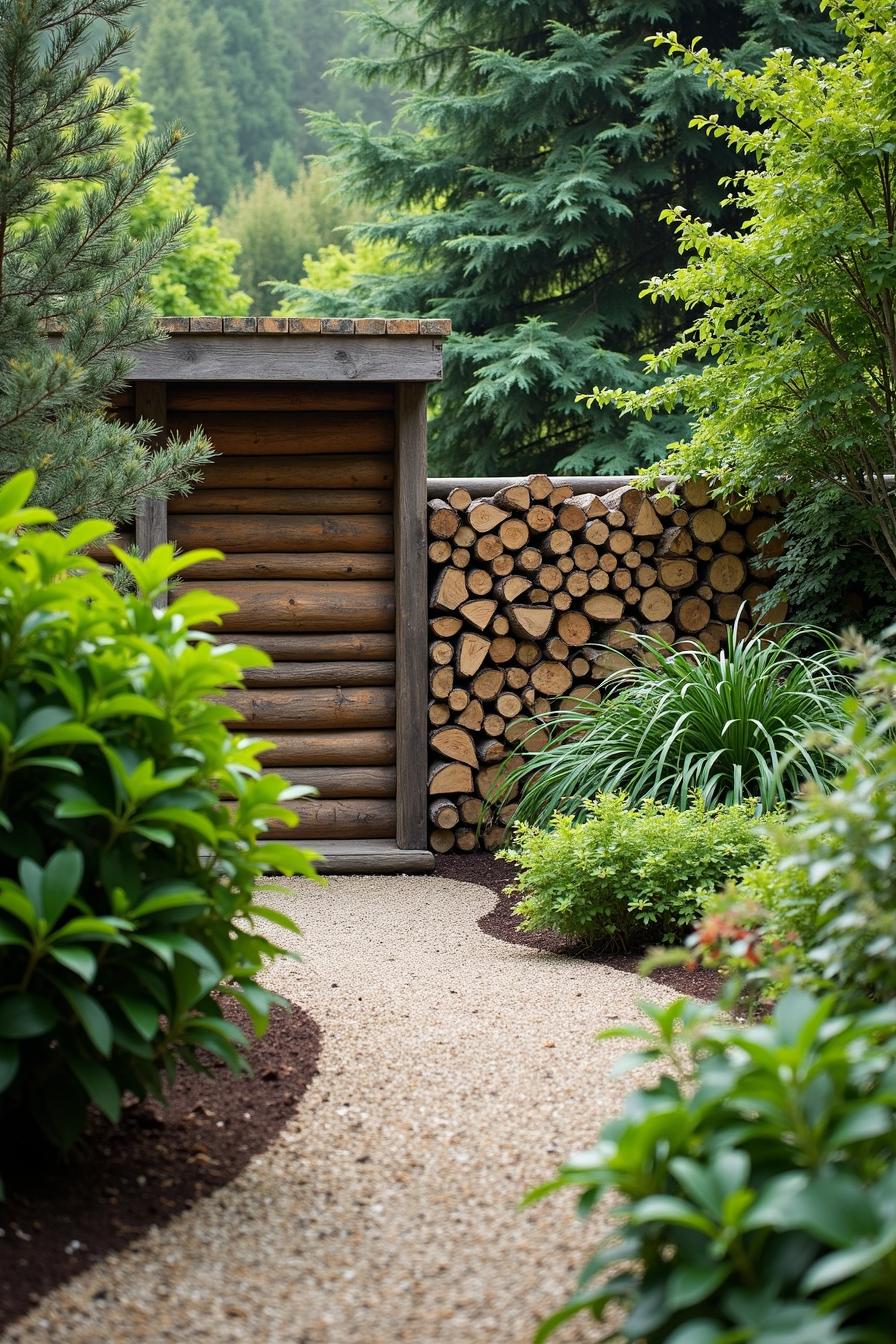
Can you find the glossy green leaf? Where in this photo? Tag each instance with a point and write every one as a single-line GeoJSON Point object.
{"type": "Point", "coordinates": [93, 1018]}
{"type": "Point", "coordinates": [23, 1016]}
{"type": "Point", "coordinates": [99, 1084]}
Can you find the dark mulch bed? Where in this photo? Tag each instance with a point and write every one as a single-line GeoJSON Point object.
{"type": "Point", "coordinates": [62, 1215]}
{"type": "Point", "coordinates": [502, 923]}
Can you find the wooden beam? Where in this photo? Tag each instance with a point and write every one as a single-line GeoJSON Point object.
{"type": "Point", "coordinates": [482, 487]}
{"type": "Point", "coordinates": [214, 358]}
{"type": "Point", "coordinates": [151, 521]}
{"type": "Point", "coordinates": [412, 606]}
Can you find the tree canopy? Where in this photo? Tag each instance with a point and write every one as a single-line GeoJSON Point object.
{"type": "Point", "coordinates": [520, 190]}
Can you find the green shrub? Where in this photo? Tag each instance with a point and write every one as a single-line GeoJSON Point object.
{"type": "Point", "coordinates": [752, 1187]}
{"type": "Point", "coordinates": [733, 726]}
{"type": "Point", "coordinates": [126, 880]}
{"type": "Point", "coordinates": [824, 912]}
{"type": "Point", "coordinates": [622, 876]}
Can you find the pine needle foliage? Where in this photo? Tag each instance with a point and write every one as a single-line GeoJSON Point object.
{"type": "Point", "coordinates": [79, 265]}
{"type": "Point", "coordinates": [734, 727]}
{"type": "Point", "coordinates": [521, 186]}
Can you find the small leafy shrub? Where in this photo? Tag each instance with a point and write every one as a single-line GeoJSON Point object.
{"type": "Point", "coordinates": [734, 726]}
{"type": "Point", "coordinates": [621, 876]}
{"type": "Point", "coordinates": [126, 879]}
{"type": "Point", "coordinates": [753, 1186]}
{"type": "Point", "coordinates": [824, 911]}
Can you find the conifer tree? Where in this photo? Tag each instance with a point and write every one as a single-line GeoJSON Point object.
{"type": "Point", "coordinates": [78, 265]}
{"type": "Point", "coordinates": [521, 187]}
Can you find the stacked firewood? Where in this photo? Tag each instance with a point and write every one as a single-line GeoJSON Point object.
{"type": "Point", "coordinates": [536, 594]}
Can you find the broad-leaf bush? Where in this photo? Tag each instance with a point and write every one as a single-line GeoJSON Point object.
{"type": "Point", "coordinates": [126, 875]}
{"type": "Point", "coordinates": [824, 912]}
{"type": "Point", "coordinates": [732, 725]}
{"type": "Point", "coordinates": [623, 876]}
{"type": "Point", "coordinates": [752, 1188]}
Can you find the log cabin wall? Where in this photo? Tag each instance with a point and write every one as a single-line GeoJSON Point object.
{"type": "Point", "coordinates": [537, 586]}
{"type": "Point", "coordinates": [317, 499]}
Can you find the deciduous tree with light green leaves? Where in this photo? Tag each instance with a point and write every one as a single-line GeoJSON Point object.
{"type": "Point", "coordinates": [795, 326]}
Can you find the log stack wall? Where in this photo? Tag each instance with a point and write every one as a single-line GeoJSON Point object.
{"type": "Point", "coordinates": [537, 589]}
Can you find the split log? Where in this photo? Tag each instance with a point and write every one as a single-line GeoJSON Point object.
{"type": "Point", "coordinates": [450, 590]}
{"type": "Point", "coordinates": [603, 607]}
{"type": "Point", "coordinates": [676, 573]}
{"type": "Point", "coordinates": [443, 519]}
{"type": "Point", "coordinates": [484, 516]}
{"type": "Point", "coordinates": [655, 604]}
{"type": "Point", "coordinates": [454, 743]}
{"type": "Point", "coordinates": [514, 497]}
{"type": "Point", "coordinates": [445, 627]}
{"type": "Point", "coordinates": [557, 542]}
{"type": "Point", "coordinates": [450, 777]}
{"type": "Point", "coordinates": [530, 622]}
{"type": "Point", "coordinates": [472, 716]}
{"type": "Point", "coordinates": [514, 534]}
{"type": "Point", "coordinates": [591, 505]}
{"type": "Point", "coordinates": [708, 525]}
{"type": "Point", "coordinates": [441, 652]}
{"type": "Point", "coordinates": [488, 683]}
{"type": "Point", "coordinates": [438, 713]}
{"type": "Point", "coordinates": [459, 498]}
{"type": "Point", "coordinates": [540, 518]}
{"type": "Point", "coordinates": [550, 678]}
{"type": "Point", "coordinates": [726, 573]}
{"type": "Point", "coordinates": [479, 582]}
{"type": "Point", "coordinates": [488, 547]}
{"type": "Point", "coordinates": [539, 486]}
{"type": "Point", "coordinates": [441, 681]}
{"type": "Point", "coordinates": [692, 614]}
{"type": "Point", "coordinates": [479, 612]}
{"type": "Point", "coordinates": [471, 654]}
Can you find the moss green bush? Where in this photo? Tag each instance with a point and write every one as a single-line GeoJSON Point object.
{"type": "Point", "coordinates": [129, 830]}
{"type": "Point", "coordinates": [622, 876]}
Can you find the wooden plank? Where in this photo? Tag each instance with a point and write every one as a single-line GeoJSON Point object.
{"type": "Point", "coordinates": [345, 781]}
{"type": "Point", "coordinates": [279, 565]}
{"type": "Point", "coordinates": [236, 395]}
{"type": "Point", "coordinates": [318, 471]}
{"type": "Point", "coordinates": [284, 432]}
{"type": "Point", "coordinates": [368, 604]}
{"type": "Point", "coordinates": [349, 749]}
{"type": "Point", "coordinates": [151, 519]}
{"type": "Point", "coordinates": [321, 674]}
{"type": "Point", "coordinates": [372, 646]}
{"type": "Point", "coordinates": [325, 359]}
{"type": "Point", "coordinates": [293, 534]}
{"type": "Point", "coordinates": [412, 602]}
{"type": "Point", "coordinates": [300, 502]}
{"type": "Point", "coordinates": [370, 856]}
{"type": "Point", "coordinates": [339, 819]}
{"type": "Point", "coordinates": [312, 710]}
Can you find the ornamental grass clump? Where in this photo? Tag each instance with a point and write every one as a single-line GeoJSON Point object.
{"type": "Point", "coordinates": [732, 726]}
{"type": "Point", "coordinates": [619, 876]}
{"type": "Point", "coordinates": [129, 830]}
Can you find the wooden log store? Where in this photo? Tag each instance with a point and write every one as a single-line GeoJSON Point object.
{"type": "Point", "coordinates": [317, 499]}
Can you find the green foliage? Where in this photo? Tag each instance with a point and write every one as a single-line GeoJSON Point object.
{"type": "Point", "coordinates": [126, 880]}
{"type": "Point", "coordinates": [199, 276]}
{"type": "Point", "coordinates": [520, 188]}
{"type": "Point", "coordinates": [278, 227]}
{"type": "Point", "coordinates": [752, 1186]}
{"type": "Point", "coordinates": [794, 330]}
{"type": "Point", "coordinates": [621, 876]}
{"type": "Point", "coordinates": [78, 264]}
{"type": "Point", "coordinates": [825, 913]}
{"type": "Point", "coordinates": [733, 726]}
{"type": "Point", "coordinates": [827, 572]}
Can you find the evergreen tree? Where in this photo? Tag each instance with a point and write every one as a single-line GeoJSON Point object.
{"type": "Point", "coordinates": [78, 264]}
{"type": "Point", "coordinates": [258, 76]}
{"type": "Point", "coordinates": [521, 188]}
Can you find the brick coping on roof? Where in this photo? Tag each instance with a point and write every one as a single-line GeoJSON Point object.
{"type": "Point", "coordinates": [296, 326]}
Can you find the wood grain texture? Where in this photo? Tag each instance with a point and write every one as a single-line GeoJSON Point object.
{"type": "Point", "coordinates": [317, 471]}
{"type": "Point", "coordinates": [411, 601]}
{"type": "Point", "coordinates": [345, 781]}
{"type": "Point", "coordinates": [237, 395]}
{"type": "Point", "coordinates": [290, 533]}
{"type": "Point", "coordinates": [299, 502]}
{"type": "Point", "coordinates": [314, 710]}
{"type": "Point", "coordinates": [348, 749]}
{"type": "Point", "coordinates": [340, 819]}
{"type": "Point", "coordinates": [368, 604]}
{"type": "Point", "coordinates": [280, 565]}
{"type": "Point", "coordinates": [273, 433]}
{"type": "Point", "coordinates": [321, 674]}
{"type": "Point", "coordinates": [349, 647]}
{"type": "Point", "coordinates": [217, 358]}
{"type": "Point", "coordinates": [151, 520]}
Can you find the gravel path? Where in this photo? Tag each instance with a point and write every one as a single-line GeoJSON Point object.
{"type": "Point", "coordinates": [456, 1071]}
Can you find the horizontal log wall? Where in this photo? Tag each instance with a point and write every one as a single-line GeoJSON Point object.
{"type": "Point", "coordinates": [537, 587]}
{"type": "Point", "coordinates": [300, 500]}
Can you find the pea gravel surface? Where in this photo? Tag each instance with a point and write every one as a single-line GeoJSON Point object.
{"type": "Point", "coordinates": [456, 1071]}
